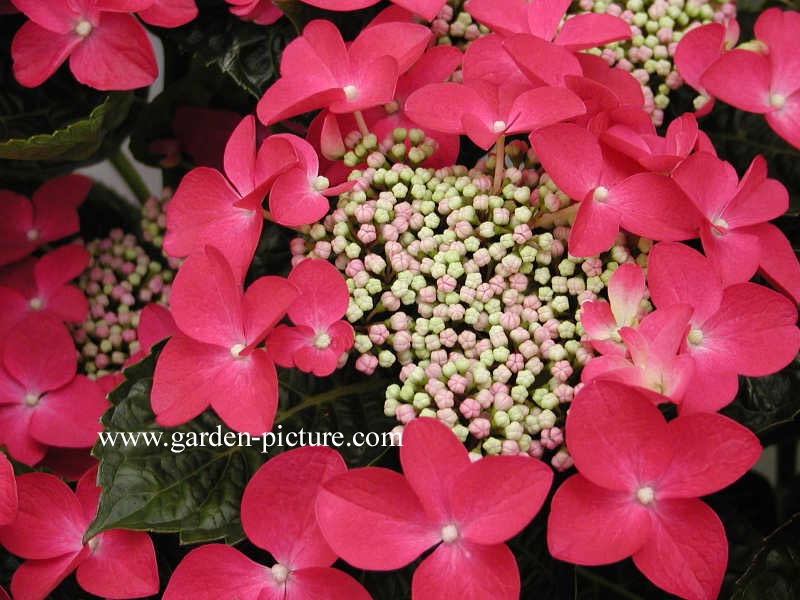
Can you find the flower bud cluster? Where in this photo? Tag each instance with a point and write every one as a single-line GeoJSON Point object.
{"type": "Point", "coordinates": [154, 224]}
{"type": "Point", "coordinates": [473, 296]}
{"type": "Point", "coordinates": [453, 26]}
{"type": "Point", "coordinates": [656, 28]}
{"type": "Point", "coordinates": [120, 280]}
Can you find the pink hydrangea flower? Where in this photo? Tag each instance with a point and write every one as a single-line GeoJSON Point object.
{"type": "Point", "coordinates": [261, 12]}
{"type": "Point", "coordinates": [219, 329]}
{"type": "Point", "coordinates": [742, 329]}
{"type": "Point", "coordinates": [487, 104]}
{"type": "Point", "coordinates": [611, 193]}
{"type": "Point", "coordinates": [320, 336]}
{"type": "Point", "coordinates": [602, 320]}
{"type": "Point", "coordinates": [225, 210]}
{"type": "Point", "coordinates": [113, 564]}
{"type": "Point", "coordinates": [375, 518]}
{"type": "Point", "coordinates": [299, 195]}
{"type": "Point", "coordinates": [277, 516]}
{"type": "Point", "coordinates": [765, 80]}
{"type": "Point", "coordinates": [654, 363]}
{"type": "Point", "coordinates": [731, 209]}
{"type": "Point", "coordinates": [637, 488]}
{"type": "Point", "coordinates": [42, 401]}
{"type": "Point", "coordinates": [53, 214]}
{"type": "Point", "coordinates": [169, 13]}
{"type": "Point", "coordinates": [107, 48]}
{"type": "Point", "coordinates": [39, 286]}
{"type": "Point", "coordinates": [9, 501]}
{"type": "Point", "coordinates": [318, 70]}
{"type": "Point", "coordinates": [698, 50]}
{"type": "Point", "coordinates": [542, 18]}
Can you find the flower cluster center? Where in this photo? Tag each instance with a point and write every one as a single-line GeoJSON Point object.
{"type": "Point", "coordinates": [83, 28]}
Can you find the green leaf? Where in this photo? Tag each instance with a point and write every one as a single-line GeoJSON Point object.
{"type": "Point", "coordinates": [195, 492]}
{"type": "Point", "coordinates": [769, 405]}
{"type": "Point", "coordinates": [78, 140]}
{"type": "Point", "coordinates": [774, 570]}
{"type": "Point", "coordinates": [247, 53]}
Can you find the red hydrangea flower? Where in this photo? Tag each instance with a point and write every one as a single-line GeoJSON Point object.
{"type": "Point", "coordinates": [113, 564]}
{"type": "Point", "coordinates": [765, 80]}
{"type": "Point", "coordinates": [731, 209]}
{"type": "Point", "coordinates": [42, 401]}
{"type": "Point", "coordinates": [169, 13]}
{"type": "Point", "coordinates": [487, 104]}
{"type": "Point", "coordinates": [744, 329]}
{"type": "Point", "coordinates": [318, 70]}
{"type": "Point", "coordinates": [53, 214]}
{"type": "Point", "coordinates": [611, 193]}
{"type": "Point", "coordinates": [320, 337]}
{"type": "Point", "coordinates": [778, 264]}
{"type": "Point", "coordinates": [378, 519]}
{"type": "Point", "coordinates": [298, 195]}
{"type": "Point", "coordinates": [653, 364]}
{"type": "Point", "coordinates": [602, 320]}
{"type": "Point", "coordinates": [261, 12]}
{"type": "Point", "coordinates": [542, 18]}
{"type": "Point", "coordinates": [8, 492]}
{"type": "Point", "coordinates": [698, 50]}
{"type": "Point", "coordinates": [213, 360]}
{"type": "Point", "coordinates": [107, 49]}
{"type": "Point", "coordinates": [39, 286]}
{"type": "Point", "coordinates": [637, 486]}
{"type": "Point", "coordinates": [278, 516]}
{"type": "Point", "coordinates": [225, 210]}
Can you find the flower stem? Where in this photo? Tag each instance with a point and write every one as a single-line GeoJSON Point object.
{"type": "Point", "coordinates": [329, 396]}
{"type": "Point", "coordinates": [362, 124]}
{"type": "Point", "coordinates": [499, 165]}
{"type": "Point", "coordinates": [130, 175]}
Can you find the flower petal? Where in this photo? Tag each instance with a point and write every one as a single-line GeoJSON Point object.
{"type": "Point", "coordinates": [122, 565]}
{"type": "Point", "coordinates": [740, 78]}
{"type": "Point", "coordinates": [8, 492]}
{"type": "Point", "coordinates": [475, 570]}
{"type": "Point", "coordinates": [591, 525]}
{"type": "Point", "coordinates": [616, 437]}
{"type": "Point", "coordinates": [323, 297]}
{"type": "Point", "coordinates": [38, 53]}
{"type": "Point", "coordinates": [687, 552]}
{"type": "Point", "coordinates": [40, 354]}
{"type": "Point", "coordinates": [70, 416]}
{"type": "Point", "coordinates": [35, 579]}
{"type": "Point", "coordinates": [393, 527]}
{"type": "Point", "coordinates": [322, 583]}
{"type": "Point", "coordinates": [278, 506]}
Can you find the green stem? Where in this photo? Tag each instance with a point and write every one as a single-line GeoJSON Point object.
{"type": "Point", "coordinates": [602, 581]}
{"type": "Point", "coordinates": [329, 396]}
{"type": "Point", "coordinates": [499, 165]}
{"type": "Point", "coordinates": [130, 175]}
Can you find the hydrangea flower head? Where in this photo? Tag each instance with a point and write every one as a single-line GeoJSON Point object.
{"type": "Point", "coordinates": [375, 518]}
{"type": "Point", "coordinates": [637, 486]}
{"type": "Point", "coordinates": [107, 48]}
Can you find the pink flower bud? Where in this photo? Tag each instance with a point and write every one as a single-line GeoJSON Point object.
{"type": "Point", "coordinates": [480, 428]}
{"type": "Point", "coordinates": [470, 408]}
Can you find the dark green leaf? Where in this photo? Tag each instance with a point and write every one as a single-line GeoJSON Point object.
{"type": "Point", "coordinates": [770, 406]}
{"type": "Point", "coordinates": [246, 53]}
{"type": "Point", "coordinates": [775, 569]}
{"type": "Point", "coordinates": [196, 492]}
{"type": "Point", "coordinates": [78, 140]}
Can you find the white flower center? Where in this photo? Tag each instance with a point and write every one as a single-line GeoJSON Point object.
{"type": "Point", "coordinates": [83, 28]}
{"type": "Point", "coordinates": [392, 107]}
{"type": "Point", "coordinates": [646, 495]}
{"type": "Point", "coordinates": [499, 126]}
{"type": "Point", "coordinates": [322, 340]}
{"type": "Point", "coordinates": [600, 194]}
{"type": "Point", "coordinates": [350, 92]}
{"type": "Point", "coordinates": [695, 337]}
{"type": "Point", "coordinates": [92, 543]}
{"type": "Point", "coordinates": [237, 349]}
{"type": "Point", "coordinates": [31, 400]}
{"type": "Point", "coordinates": [449, 534]}
{"type": "Point", "coordinates": [719, 226]}
{"type": "Point", "coordinates": [280, 573]}
{"type": "Point", "coordinates": [33, 234]}
{"type": "Point", "coordinates": [36, 303]}
{"type": "Point", "coordinates": [777, 100]}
